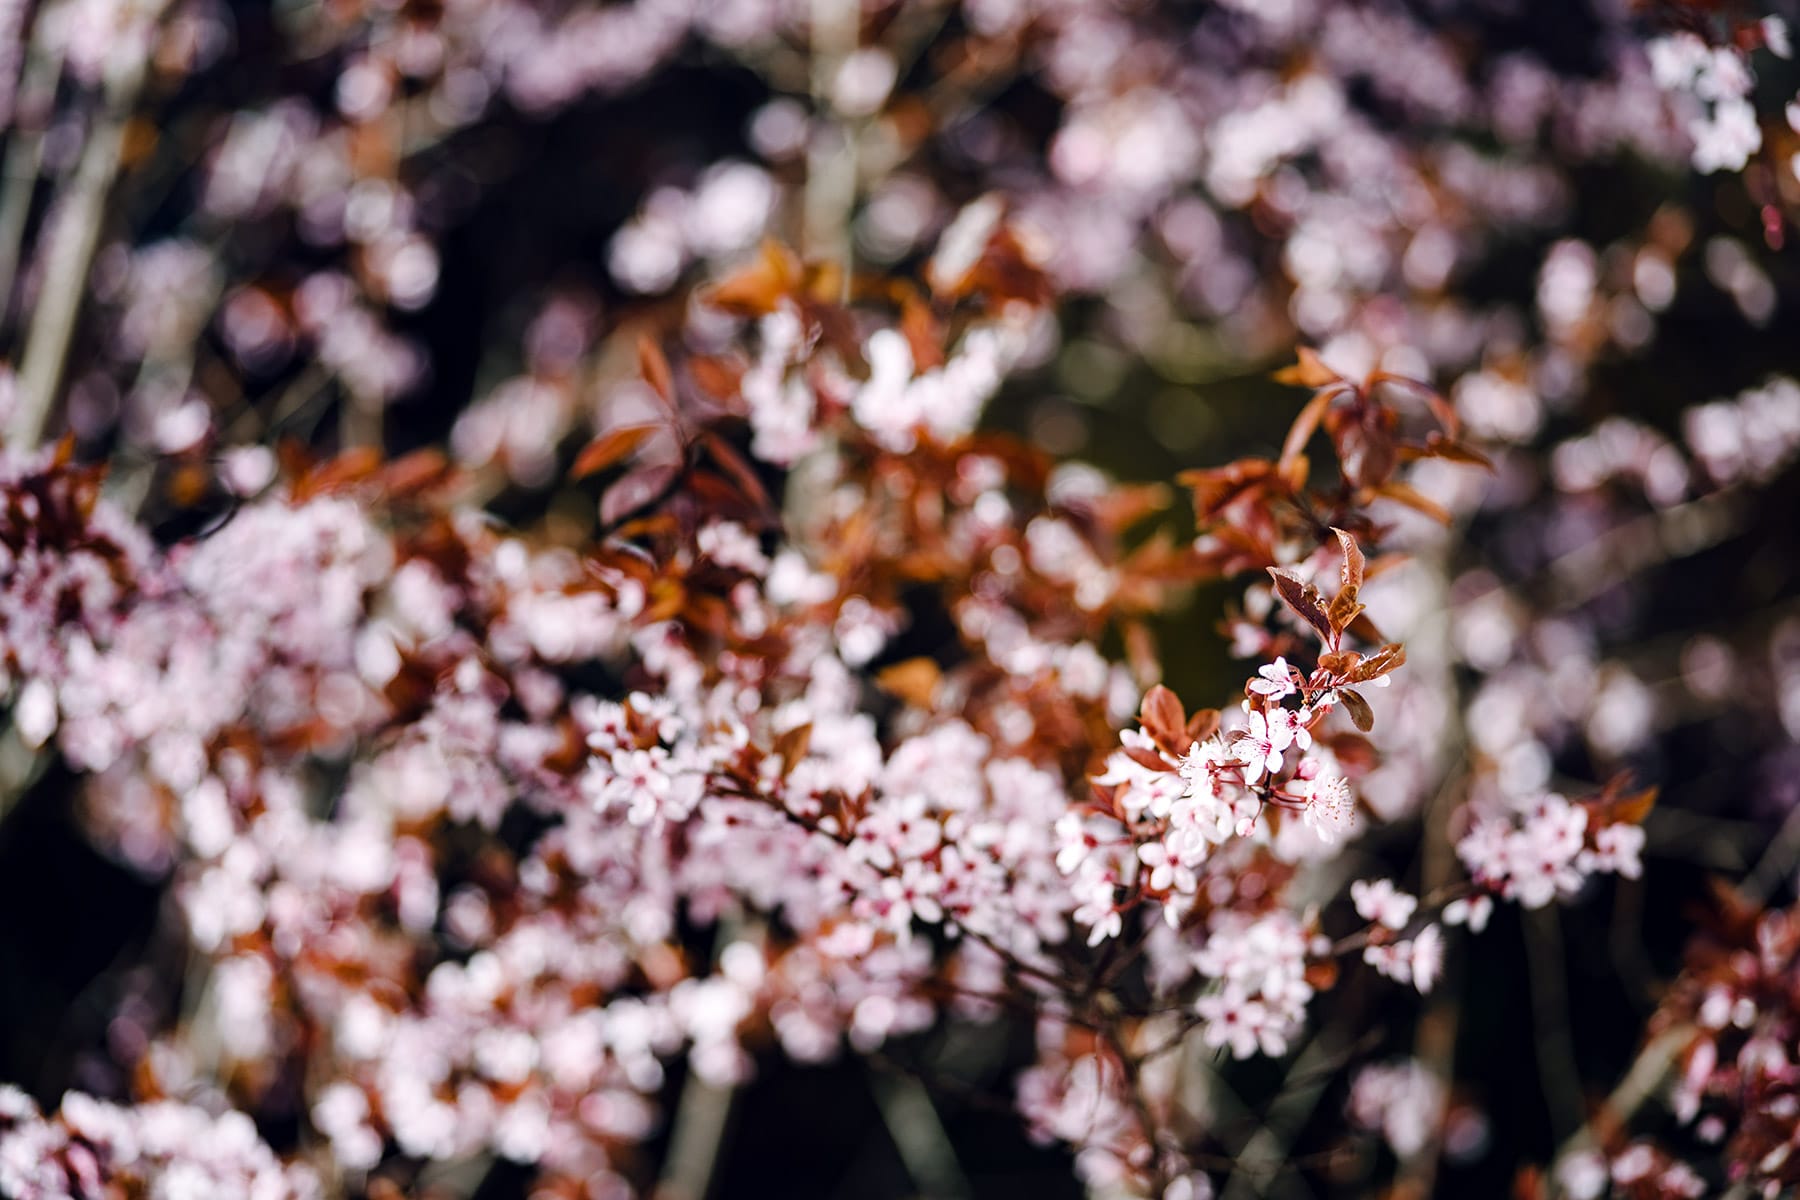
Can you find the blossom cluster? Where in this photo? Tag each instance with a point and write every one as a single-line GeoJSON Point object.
{"type": "Point", "coordinates": [713, 684]}
{"type": "Point", "coordinates": [1727, 1026]}
{"type": "Point", "coordinates": [328, 715]}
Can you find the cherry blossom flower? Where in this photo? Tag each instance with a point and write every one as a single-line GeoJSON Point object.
{"type": "Point", "coordinates": [1261, 743]}
{"type": "Point", "coordinates": [1380, 901]}
{"type": "Point", "coordinates": [1275, 681]}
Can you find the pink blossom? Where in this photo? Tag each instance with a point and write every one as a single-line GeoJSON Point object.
{"type": "Point", "coordinates": [1379, 901]}
{"type": "Point", "coordinates": [1275, 681]}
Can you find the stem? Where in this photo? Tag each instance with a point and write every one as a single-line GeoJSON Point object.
{"type": "Point", "coordinates": [78, 220]}
{"type": "Point", "coordinates": [1140, 1107]}
{"type": "Point", "coordinates": [1287, 1115]}
{"type": "Point", "coordinates": [24, 158]}
{"type": "Point", "coordinates": [1775, 862]}
{"type": "Point", "coordinates": [831, 154]}
{"type": "Point", "coordinates": [703, 1115]}
{"type": "Point", "coordinates": [1549, 1013]}
{"type": "Point", "coordinates": [702, 1120]}
{"type": "Point", "coordinates": [1645, 1078]}
{"type": "Point", "coordinates": [919, 1135]}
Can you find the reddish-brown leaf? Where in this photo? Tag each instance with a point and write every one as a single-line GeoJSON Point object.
{"type": "Point", "coordinates": [637, 489]}
{"type": "Point", "coordinates": [1364, 629]}
{"type": "Point", "coordinates": [1352, 573]}
{"type": "Point", "coordinates": [1438, 446]}
{"type": "Point", "coordinates": [1303, 598]}
{"type": "Point", "coordinates": [915, 681]}
{"type": "Point", "coordinates": [1162, 715]}
{"type": "Point", "coordinates": [716, 494]}
{"type": "Point", "coordinates": [1633, 809]}
{"type": "Point", "coordinates": [667, 598]}
{"type": "Point", "coordinates": [1616, 806]}
{"type": "Point", "coordinates": [1528, 1184]}
{"type": "Point", "coordinates": [348, 469]}
{"type": "Point", "coordinates": [1005, 273]}
{"type": "Point", "coordinates": [655, 525]}
{"type": "Point", "coordinates": [413, 473]}
{"type": "Point", "coordinates": [1301, 431]}
{"type": "Point", "coordinates": [1216, 487]}
{"type": "Point", "coordinates": [655, 366]}
{"type": "Point", "coordinates": [1354, 752]}
{"type": "Point", "coordinates": [1367, 452]}
{"type": "Point", "coordinates": [717, 377]}
{"type": "Point", "coordinates": [793, 744]}
{"type": "Point", "coordinates": [741, 473]}
{"type": "Point", "coordinates": [1440, 408]}
{"type": "Point", "coordinates": [187, 484]}
{"type": "Point", "coordinates": [756, 290]}
{"type": "Point", "coordinates": [1358, 708]}
{"type": "Point", "coordinates": [1140, 651]}
{"type": "Point", "coordinates": [1126, 504]}
{"type": "Point", "coordinates": [1390, 657]}
{"type": "Point", "coordinates": [924, 333]}
{"type": "Point", "coordinates": [1147, 759]}
{"type": "Point", "coordinates": [610, 447]}
{"type": "Point", "coordinates": [1202, 725]}
{"type": "Point", "coordinates": [1310, 371]}
{"type": "Point", "coordinates": [1403, 493]}
{"type": "Point", "coordinates": [1344, 609]}
{"type": "Point", "coordinates": [1322, 974]}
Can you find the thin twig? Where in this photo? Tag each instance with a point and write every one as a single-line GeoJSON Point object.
{"type": "Point", "coordinates": [1776, 862]}
{"type": "Point", "coordinates": [918, 1132]}
{"type": "Point", "coordinates": [1285, 1117]}
{"type": "Point", "coordinates": [1550, 1016]}
{"type": "Point", "coordinates": [1644, 1079]}
{"type": "Point", "coordinates": [703, 1116]}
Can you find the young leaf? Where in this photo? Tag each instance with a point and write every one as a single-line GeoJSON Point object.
{"type": "Point", "coordinates": [1364, 629]}
{"type": "Point", "coordinates": [350, 468]}
{"type": "Point", "coordinates": [718, 377]}
{"type": "Point", "coordinates": [655, 366]}
{"type": "Point", "coordinates": [611, 447]}
{"type": "Point", "coordinates": [1403, 493]}
{"type": "Point", "coordinates": [1304, 424]}
{"type": "Point", "coordinates": [1366, 449]}
{"type": "Point", "coordinates": [1303, 598]}
{"type": "Point", "coordinates": [413, 473]}
{"type": "Point", "coordinates": [793, 744]}
{"type": "Point", "coordinates": [741, 473]}
{"type": "Point", "coordinates": [914, 681]}
{"type": "Point", "coordinates": [1439, 446]}
{"type": "Point", "coordinates": [636, 490]}
{"type": "Point", "coordinates": [1390, 657]}
{"type": "Point", "coordinates": [1358, 708]}
{"type": "Point", "coordinates": [1148, 759]}
{"type": "Point", "coordinates": [760, 287]}
{"type": "Point", "coordinates": [1632, 809]}
{"type": "Point", "coordinates": [1344, 609]}
{"type": "Point", "coordinates": [1202, 725]}
{"type": "Point", "coordinates": [1162, 715]}
{"type": "Point", "coordinates": [1216, 487]}
{"type": "Point", "coordinates": [1354, 752]}
{"type": "Point", "coordinates": [1310, 371]}
{"type": "Point", "coordinates": [1352, 574]}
